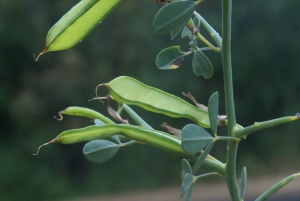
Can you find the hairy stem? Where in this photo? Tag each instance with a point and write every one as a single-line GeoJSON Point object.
{"type": "Point", "coordinates": [230, 172]}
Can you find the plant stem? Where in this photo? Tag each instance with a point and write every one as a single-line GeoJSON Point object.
{"type": "Point", "coordinates": [215, 35]}
{"type": "Point", "coordinates": [262, 125]}
{"type": "Point", "coordinates": [276, 187]}
{"type": "Point", "coordinates": [136, 117]}
{"type": "Point", "coordinates": [230, 172]}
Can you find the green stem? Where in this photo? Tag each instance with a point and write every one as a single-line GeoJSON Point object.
{"type": "Point", "coordinates": [230, 172]}
{"type": "Point", "coordinates": [276, 187]}
{"type": "Point", "coordinates": [136, 117]}
{"type": "Point", "coordinates": [207, 175]}
{"type": "Point", "coordinates": [208, 43]}
{"type": "Point", "coordinates": [131, 142]}
{"type": "Point", "coordinates": [262, 125]}
{"type": "Point", "coordinates": [224, 138]}
{"type": "Point", "coordinates": [215, 35]}
{"type": "Point", "coordinates": [191, 27]}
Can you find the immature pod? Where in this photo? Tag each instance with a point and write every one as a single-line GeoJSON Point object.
{"type": "Point", "coordinates": [85, 112]}
{"type": "Point", "coordinates": [77, 23]}
{"type": "Point", "coordinates": [132, 92]}
{"type": "Point", "coordinates": [153, 138]}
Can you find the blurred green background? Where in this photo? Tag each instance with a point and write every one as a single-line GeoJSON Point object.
{"type": "Point", "coordinates": [266, 70]}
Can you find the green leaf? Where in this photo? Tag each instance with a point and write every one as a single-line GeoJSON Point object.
{"type": "Point", "coordinates": [190, 193]}
{"type": "Point", "coordinates": [213, 108]}
{"type": "Point", "coordinates": [243, 181]}
{"type": "Point", "coordinates": [77, 23]}
{"type": "Point", "coordinates": [201, 159]}
{"type": "Point", "coordinates": [186, 32]}
{"type": "Point", "coordinates": [188, 181]}
{"type": "Point", "coordinates": [173, 17]}
{"type": "Point", "coordinates": [201, 65]}
{"type": "Point", "coordinates": [186, 168]}
{"type": "Point", "coordinates": [100, 151]}
{"type": "Point", "coordinates": [169, 58]}
{"type": "Point", "coordinates": [98, 122]}
{"type": "Point", "coordinates": [116, 139]}
{"type": "Point", "coordinates": [194, 138]}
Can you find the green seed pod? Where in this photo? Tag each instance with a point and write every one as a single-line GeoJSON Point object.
{"type": "Point", "coordinates": [84, 112]}
{"type": "Point", "coordinates": [132, 92]}
{"type": "Point", "coordinates": [77, 24]}
{"type": "Point", "coordinates": [153, 138]}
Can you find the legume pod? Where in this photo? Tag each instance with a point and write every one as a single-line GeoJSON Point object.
{"type": "Point", "coordinates": [77, 23]}
{"type": "Point", "coordinates": [154, 138]}
{"type": "Point", "coordinates": [132, 92]}
{"type": "Point", "coordinates": [85, 112]}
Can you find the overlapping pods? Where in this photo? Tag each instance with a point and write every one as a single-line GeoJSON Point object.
{"type": "Point", "coordinates": [132, 92]}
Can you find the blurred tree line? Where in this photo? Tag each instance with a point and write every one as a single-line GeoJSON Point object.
{"type": "Point", "coordinates": [265, 45]}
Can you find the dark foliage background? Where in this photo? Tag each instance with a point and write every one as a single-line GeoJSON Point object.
{"type": "Point", "coordinates": [265, 45]}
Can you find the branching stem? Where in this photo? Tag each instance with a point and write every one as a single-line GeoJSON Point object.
{"type": "Point", "coordinates": [230, 172]}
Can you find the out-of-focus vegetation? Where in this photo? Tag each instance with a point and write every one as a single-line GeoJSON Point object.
{"type": "Point", "coordinates": [266, 70]}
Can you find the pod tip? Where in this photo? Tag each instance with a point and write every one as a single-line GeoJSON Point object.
{"type": "Point", "coordinates": [52, 141]}
{"type": "Point", "coordinates": [60, 116]}
{"type": "Point", "coordinates": [37, 58]}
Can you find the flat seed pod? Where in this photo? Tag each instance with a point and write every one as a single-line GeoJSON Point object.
{"type": "Point", "coordinates": [100, 151]}
{"type": "Point", "coordinates": [201, 65]}
{"type": "Point", "coordinates": [194, 138]}
{"type": "Point", "coordinates": [85, 112]}
{"type": "Point", "coordinates": [173, 17]}
{"type": "Point", "coordinates": [77, 23]}
{"type": "Point", "coordinates": [132, 92]}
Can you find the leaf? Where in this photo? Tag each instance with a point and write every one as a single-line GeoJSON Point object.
{"type": "Point", "coordinates": [194, 138]}
{"type": "Point", "coordinates": [201, 159]}
{"type": "Point", "coordinates": [98, 122]}
{"type": "Point", "coordinates": [186, 168]}
{"type": "Point", "coordinates": [243, 182]}
{"type": "Point", "coordinates": [77, 23]}
{"type": "Point", "coordinates": [188, 181]}
{"type": "Point", "coordinates": [190, 193]}
{"type": "Point", "coordinates": [169, 58]}
{"type": "Point", "coordinates": [116, 139]}
{"type": "Point", "coordinates": [100, 151]}
{"type": "Point", "coordinates": [201, 65]}
{"type": "Point", "coordinates": [173, 17]}
{"type": "Point", "coordinates": [213, 108]}
{"type": "Point", "coordinates": [186, 32]}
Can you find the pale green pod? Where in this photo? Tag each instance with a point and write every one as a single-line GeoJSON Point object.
{"type": "Point", "coordinates": [153, 138]}
{"type": "Point", "coordinates": [85, 112]}
{"type": "Point", "coordinates": [132, 92]}
{"type": "Point", "coordinates": [77, 23]}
